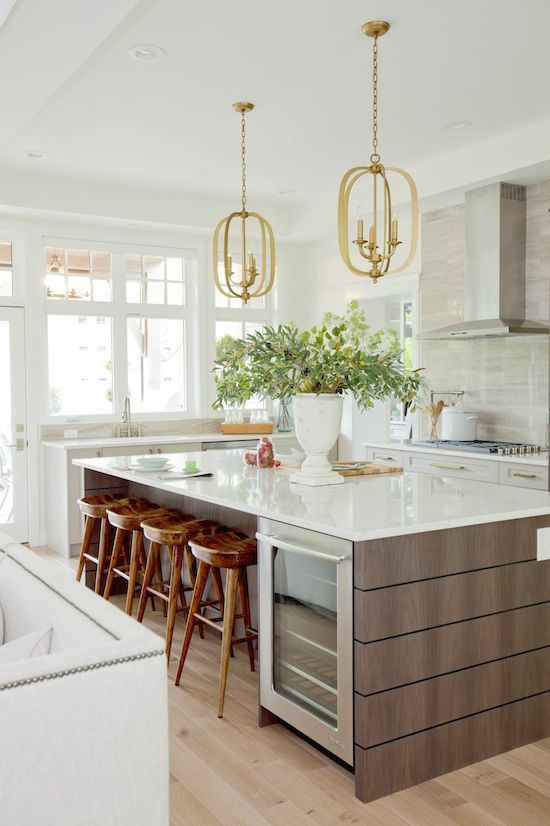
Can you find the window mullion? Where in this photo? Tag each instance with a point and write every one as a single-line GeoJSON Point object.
{"type": "Point", "coordinates": [120, 309]}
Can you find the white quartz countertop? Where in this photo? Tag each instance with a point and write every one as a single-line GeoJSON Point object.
{"type": "Point", "coordinates": [168, 439]}
{"type": "Point", "coordinates": [525, 459]}
{"type": "Point", "coordinates": [368, 507]}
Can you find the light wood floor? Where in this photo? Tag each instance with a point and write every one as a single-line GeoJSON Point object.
{"type": "Point", "coordinates": [233, 773]}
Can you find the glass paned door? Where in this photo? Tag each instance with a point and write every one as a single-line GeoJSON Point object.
{"type": "Point", "coordinates": [13, 430]}
{"type": "Point", "coordinates": [305, 633]}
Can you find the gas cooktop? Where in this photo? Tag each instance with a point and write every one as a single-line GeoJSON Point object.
{"type": "Point", "coordinates": [502, 448]}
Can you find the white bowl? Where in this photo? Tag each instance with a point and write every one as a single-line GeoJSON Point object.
{"type": "Point", "coordinates": [152, 462]}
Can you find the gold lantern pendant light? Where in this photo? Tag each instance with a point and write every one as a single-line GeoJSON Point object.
{"type": "Point", "coordinates": [383, 238]}
{"type": "Point", "coordinates": [255, 280]}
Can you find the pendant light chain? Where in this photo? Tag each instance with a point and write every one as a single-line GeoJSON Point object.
{"type": "Point", "coordinates": [243, 159]}
{"type": "Point", "coordinates": [375, 157]}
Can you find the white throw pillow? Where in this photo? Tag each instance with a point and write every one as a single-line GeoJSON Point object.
{"type": "Point", "coordinates": [35, 644]}
{"type": "Point", "coordinates": [1, 626]}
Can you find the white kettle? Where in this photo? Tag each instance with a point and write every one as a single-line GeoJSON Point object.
{"type": "Point", "coordinates": [458, 424]}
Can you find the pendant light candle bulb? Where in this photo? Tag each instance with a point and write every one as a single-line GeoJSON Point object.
{"type": "Point", "coordinates": [359, 223]}
{"type": "Point", "coordinates": [394, 226]}
{"type": "Point", "coordinates": [372, 236]}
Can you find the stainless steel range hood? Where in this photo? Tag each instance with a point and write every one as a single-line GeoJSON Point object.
{"type": "Point", "coordinates": [494, 272]}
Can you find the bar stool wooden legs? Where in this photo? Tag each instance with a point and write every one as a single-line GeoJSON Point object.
{"type": "Point", "coordinates": [174, 531]}
{"type": "Point", "coordinates": [127, 521]}
{"type": "Point", "coordinates": [94, 510]}
{"type": "Point", "coordinates": [234, 552]}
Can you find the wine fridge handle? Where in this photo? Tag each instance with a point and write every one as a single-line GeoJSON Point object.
{"type": "Point", "coordinates": [299, 549]}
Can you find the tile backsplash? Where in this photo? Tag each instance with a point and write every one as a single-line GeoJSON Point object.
{"type": "Point", "coordinates": [150, 428]}
{"type": "Point", "coordinates": [506, 379]}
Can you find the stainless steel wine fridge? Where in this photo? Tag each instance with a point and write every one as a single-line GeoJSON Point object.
{"type": "Point", "coordinates": [306, 633]}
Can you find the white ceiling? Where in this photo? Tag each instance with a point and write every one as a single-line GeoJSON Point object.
{"type": "Point", "coordinates": [69, 88]}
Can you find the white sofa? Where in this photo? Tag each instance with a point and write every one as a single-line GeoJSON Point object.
{"type": "Point", "coordinates": [83, 730]}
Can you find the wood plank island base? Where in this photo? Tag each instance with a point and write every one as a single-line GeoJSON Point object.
{"type": "Point", "coordinates": [450, 634]}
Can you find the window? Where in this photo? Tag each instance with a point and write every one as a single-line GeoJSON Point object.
{"type": "Point", "coordinates": [6, 270]}
{"type": "Point", "coordinates": [235, 319]}
{"type": "Point", "coordinates": [239, 329]}
{"type": "Point", "coordinates": [401, 320]}
{"type": "Point", "coordinates": [80, 375]}
{"type": "Point", "coordinates": [153, 279]}
{"type": "Point", "coordinates": [78, 274]}
{"type": "Point", "coordinates": [235, 329]}
{"type": "Point", "coordinates": [139, 345]}
{"type": "Point", "coordinates": [156, 364]}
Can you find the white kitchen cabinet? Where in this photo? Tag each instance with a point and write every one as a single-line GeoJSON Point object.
{"type": "Point", "coordinates": [147, 449]}
{"type": "Point", "coordinates": [61, 521]}
{"type": "Point", "coordinates": [385, 456]}
{"type": "Point", "coordinates": [512, 470]}
{"type": "Point", "coordinates": [473, 469]}
{"type": "Point", "coordinates": [523, 476]}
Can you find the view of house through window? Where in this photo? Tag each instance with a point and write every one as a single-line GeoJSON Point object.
{"type": "Point", "coordinates": [78, 274]}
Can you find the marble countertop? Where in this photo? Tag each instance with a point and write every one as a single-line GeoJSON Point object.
{"type": "Point", "coordinates": [167, 439]}
{"type": "Point", "coordinates": [527, 459]}
{"type": "Point", "coordinates": [368, 507]}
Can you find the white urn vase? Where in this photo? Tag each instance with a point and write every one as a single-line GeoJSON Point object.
{"type": "Point", "coordinates": [317, 421]}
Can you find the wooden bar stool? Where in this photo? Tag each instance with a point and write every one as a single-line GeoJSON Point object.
{"type": "Point", "coordinates": [94, 510]}
{"type": "Point", "coordinates": [127, 521]}
{"type": "Point", "coordinates": [233, 551]}
{"type": "Point", "coordinates": [174, 531]}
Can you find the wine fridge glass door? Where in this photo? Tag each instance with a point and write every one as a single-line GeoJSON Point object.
{"type": "Point", "coordinates": [306, 633]}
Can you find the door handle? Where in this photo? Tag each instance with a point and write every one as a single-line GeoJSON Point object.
{"type": "Point", "coordinates": [19, 444]}
{"type": "Point", "coordinates": [299, 549]}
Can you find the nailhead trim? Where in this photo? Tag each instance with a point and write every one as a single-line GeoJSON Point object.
{"type": "Point", "coordinates": [57, 675]}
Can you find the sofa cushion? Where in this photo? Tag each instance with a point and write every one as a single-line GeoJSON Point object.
{"type": "Point", "coordinates": [35, 644]}
{"type": "Point", "coordinates": [1, 625]}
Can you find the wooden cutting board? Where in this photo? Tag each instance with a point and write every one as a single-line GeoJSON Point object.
{"type": "Point", "coordinates": [365, 468]}
{"type": "Point", "coordinates": [259, 429]}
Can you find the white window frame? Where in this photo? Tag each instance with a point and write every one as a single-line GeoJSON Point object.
{"type": "Point", "coordinates": [119, 310]}
{"type": "Point", "coordinates": [17, 241]}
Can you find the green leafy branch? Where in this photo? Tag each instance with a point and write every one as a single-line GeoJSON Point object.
{"type": "Point", "coordinates": [341, 355]}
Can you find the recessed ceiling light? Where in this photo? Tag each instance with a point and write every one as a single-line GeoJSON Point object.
{"type": "Point", "coordinates": [288, 190]}
{"type": "Point", "coordinates": [35, 154]}
{"type": "Point", "coordinates": [147, 52]}
{"type": "Point", "coordinates": [456, 125]}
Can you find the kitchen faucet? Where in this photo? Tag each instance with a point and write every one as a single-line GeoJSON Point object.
{"type": "Point", "coordinates": [127, 414]}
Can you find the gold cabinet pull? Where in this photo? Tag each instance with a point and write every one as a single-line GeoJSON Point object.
{"type": "Point", "coordinates": [524, 475]}
{"type": "Point", "coordinates": [449, 467]}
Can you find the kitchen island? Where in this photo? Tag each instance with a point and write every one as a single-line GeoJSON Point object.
{"type": "Point", "coordinates": [443, 624]}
